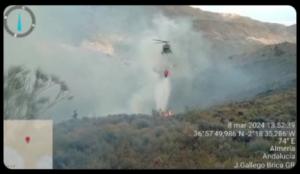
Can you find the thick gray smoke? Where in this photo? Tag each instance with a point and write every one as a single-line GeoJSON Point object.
{"type": "Point", "coordinates": [107, 56]}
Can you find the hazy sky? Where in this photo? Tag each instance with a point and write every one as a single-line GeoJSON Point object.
{"type": "Point", "coordinates": [276, 14]}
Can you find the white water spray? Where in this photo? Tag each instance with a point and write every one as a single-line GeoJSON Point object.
{"type": "Point", "coordinates": [162, 94]}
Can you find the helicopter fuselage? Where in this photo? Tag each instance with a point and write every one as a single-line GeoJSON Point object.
{"type": "Point", "coordinates": [166, 49]}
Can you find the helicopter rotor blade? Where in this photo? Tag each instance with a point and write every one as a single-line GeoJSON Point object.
{"type": "Point", "coordinates": [157, 40]}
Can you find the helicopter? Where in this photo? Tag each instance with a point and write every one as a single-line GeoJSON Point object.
{"type": "Point", "coordinates": [166, 49]}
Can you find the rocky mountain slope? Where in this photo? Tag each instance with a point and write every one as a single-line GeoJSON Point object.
{"type": "Point", "coordinates": [230, 33]}
{"type": "Point", "coordinates": [272, 67]}
{"type": "Point", "coordinates": [218, 26]}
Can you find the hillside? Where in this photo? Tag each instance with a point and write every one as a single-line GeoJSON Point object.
{"type": "Point", "coordinates": [271, 67]}
{"type": "Point", "coordinates": [144, 141]}
{"type": "Point", "coordinates": [219, 26]}
{"type": "Point", "coordinates": [243, 76]}
{"type": "Point", "coordinates": [230, 33]}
